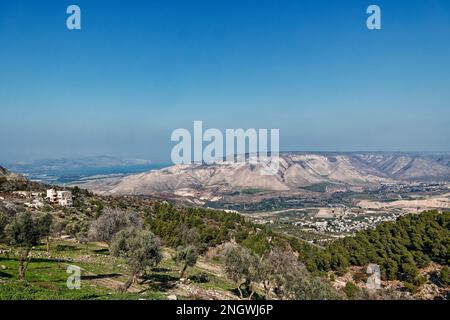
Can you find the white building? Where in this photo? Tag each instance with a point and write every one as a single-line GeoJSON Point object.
{"type": "Point", "coordinates": [63, 198]}
{"type": "Point", "coordinates": [51, 195]}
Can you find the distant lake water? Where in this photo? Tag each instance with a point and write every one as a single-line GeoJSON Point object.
{"type": "Point", "coordinates": [72, 175]}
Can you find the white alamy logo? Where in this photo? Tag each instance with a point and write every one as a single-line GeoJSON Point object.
{"type": "Point", "coordinates": [236, 146]}
{"type": "Point", "coordinates": [73, 21]}
{"type": "Point", "coordinates": [374, 281]}
{"type": "Point", "coordinates": [74, 280]}
{"type": "Point", "coordinates": [374, 20]}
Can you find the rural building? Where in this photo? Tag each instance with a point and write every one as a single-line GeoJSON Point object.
{"type": "Point", "coordinates": [63, 198]}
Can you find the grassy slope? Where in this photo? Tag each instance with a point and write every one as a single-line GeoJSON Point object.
{"type": "Point", "coordinates": [101, 275]}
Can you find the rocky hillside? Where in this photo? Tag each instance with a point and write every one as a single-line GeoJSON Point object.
{"type": "Point", "coordinates": [11, 181]}
{"type": "Point", "coordinates": [296, 171]}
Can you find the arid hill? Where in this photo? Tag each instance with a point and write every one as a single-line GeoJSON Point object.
{"type": "Point", "coordinates": [334, 171]}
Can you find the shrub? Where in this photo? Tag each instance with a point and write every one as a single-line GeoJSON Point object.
{"type": "Point", "coordinates": [351, 290]}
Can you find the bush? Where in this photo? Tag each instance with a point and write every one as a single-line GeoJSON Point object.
{"type": "Point", "coordinates": [304, 286]}
{"type": "Point", "coordinates": [351, 290]}
{"type": "Point", "coordinates": [111, 222]}
{"type": "Point", "coordinates": [444, 276]}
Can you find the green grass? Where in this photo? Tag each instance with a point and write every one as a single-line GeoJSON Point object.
{"type": "Point", "coordinates": [15, 290]}
{"type": "Point", "coordinates": [46, 275]}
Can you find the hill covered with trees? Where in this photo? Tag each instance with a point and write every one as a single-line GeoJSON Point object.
{"type": "Point", "coordinates": [400, 248]}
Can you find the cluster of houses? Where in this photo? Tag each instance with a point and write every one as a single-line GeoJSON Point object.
{"type": "Point", "coordinates": [351, 223]}
{"type": "Point", "coordinates": [60, 197]}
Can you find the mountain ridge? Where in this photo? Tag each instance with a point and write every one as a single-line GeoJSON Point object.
{"type": "Point", "coordinates": [296, 170]}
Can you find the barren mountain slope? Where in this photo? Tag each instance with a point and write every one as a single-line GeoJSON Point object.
{"type": "Point", "coordinates": [296, 170]}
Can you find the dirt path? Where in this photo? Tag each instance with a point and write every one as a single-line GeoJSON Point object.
{"type": "Point", "coordinates": [185, 290]}
{"type": "Point", "coordinates": [112, 284]}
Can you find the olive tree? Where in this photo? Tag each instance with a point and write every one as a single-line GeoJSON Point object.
{"type": "Point", "coordinates": [45, 225]}
{"type": "Point", "coordinates": [187, 257]}
{"type": "Point", "coordinates": [3, 223]}
{"type": "Point", "coordinates": [139, 248]}
{"type": "Point", "coordinates": [283, 275]}
{"type": "Point", "coordinates": [242, 267]}
{"type": "Point", "coordinates": [111, 222]}
{"type": "Point", "coordinates": [24, 232]}
{"type": "Point", "coordinates": [277, 268]}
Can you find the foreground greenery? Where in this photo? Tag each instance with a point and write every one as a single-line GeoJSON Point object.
{"type": "Point", "coordinates": [47, 275]}
{"type": "Point", "coordinates": [136, 248]}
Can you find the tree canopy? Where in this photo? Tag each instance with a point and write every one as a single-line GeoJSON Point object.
{"type": "Point", "coordinates": [139, 248]}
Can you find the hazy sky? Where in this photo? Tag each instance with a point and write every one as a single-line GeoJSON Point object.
{"type": "Point", "coordinates": [140, 69]}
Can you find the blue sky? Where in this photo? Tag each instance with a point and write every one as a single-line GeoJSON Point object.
{"type": "Point", "coordinates": [140, 69]}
